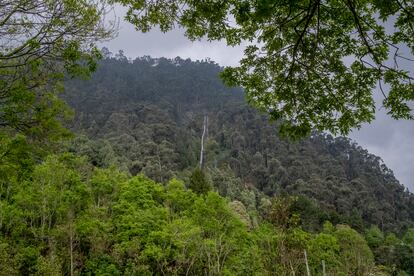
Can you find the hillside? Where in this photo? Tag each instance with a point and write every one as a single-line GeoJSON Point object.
{"type": "Point", "coordinates": [125, 194]}
{"type": "Point", "coordinates": [146, 115]}
{"type": "Point", "coordinates": [151, 166]}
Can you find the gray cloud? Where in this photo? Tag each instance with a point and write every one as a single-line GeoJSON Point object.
{"type": "Point", "coordinates": [170, 45]}
{"type": "Point", "coordinates": [390, 139]}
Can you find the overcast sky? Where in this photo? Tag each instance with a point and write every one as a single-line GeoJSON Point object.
{"type": "Point", "coordinates": [390, 139]}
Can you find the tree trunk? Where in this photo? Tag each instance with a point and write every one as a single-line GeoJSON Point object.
{"type": "Point", "coordinates": [71, 249]}
{"type": "Point", "coordinates": [306, 262]}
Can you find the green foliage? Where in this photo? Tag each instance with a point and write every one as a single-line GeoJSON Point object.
{"type": "Point", "coordinates": [198, 182]}
{"type": "Point", "coordinates": [314, 180]}
{"type": "Point", "coordinates": [42, 43]}
{"type": "Point", "coordinates": [104, 184]}
{"type": "Point", "coordinates": [374, 236]}
{"type": "Point", "coordinates": [8, 264]}
{"type": "Point", "coordinates": [62, 214]}
{"type": "Point", "coordinates": [406, 252]}
{"type": "Point", "coordinates": [313, 64]}
{"type": "Point", "coordinates": [280, 215]}
{"type": "Point", "coordinates": [324, 247]}
{"type": "Point", "coordinates": [409, 237]}
{"type": "Point", "coordinates": [245, 158]}
{"type": "Point", "coordinates": [67, 217]}
{"type": "Point", "coordinates": [355, 255]}
{"type": "Point", "coordinates": [16, 162]}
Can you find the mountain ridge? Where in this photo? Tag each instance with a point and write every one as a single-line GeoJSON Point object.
{"type": "Point", "coordinates": [148, 113]}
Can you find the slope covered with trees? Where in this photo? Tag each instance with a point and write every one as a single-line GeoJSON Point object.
{"type": "Point", "coordinates": [147, 116]}
{"type": "Point", "coordinates": [260, 205]}
{"type": "Point", "coordinates": [245, 202]}
{"type": "Point", "coordinates": [69, 218]}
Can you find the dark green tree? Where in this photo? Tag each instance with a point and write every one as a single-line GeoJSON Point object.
{"type": "Point", "coordinates": [198, 182]}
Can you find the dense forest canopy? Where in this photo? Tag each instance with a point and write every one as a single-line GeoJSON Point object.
{"type": "Point", "coordinates": [128, 188]}
{"type": "Point", "coordinates": [148, 114]}
{"type": "Point", "coordinates": [259, 206]}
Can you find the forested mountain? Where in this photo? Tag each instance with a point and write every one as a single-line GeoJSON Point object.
{"type": "Point", "coordinates": [146, 115]}
{"type": "Point", "coordinates": [164, 171]}
{"type": "Point", "coordinates": [125, 195]}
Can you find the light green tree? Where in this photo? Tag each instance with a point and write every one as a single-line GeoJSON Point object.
{"type": "Point", "coordinates": [355, 255]}
{"type": "Point", "coordinates": [374, 236]}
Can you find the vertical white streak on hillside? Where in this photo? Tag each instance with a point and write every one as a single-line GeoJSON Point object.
{"type": "Point", "coordinates": [202, 140]}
